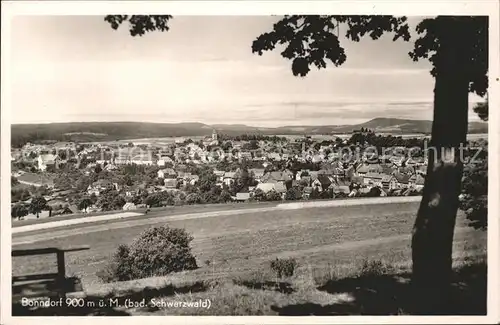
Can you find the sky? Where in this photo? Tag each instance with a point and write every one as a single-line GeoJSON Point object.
{"type": "Point", "coordinates": [76, 68]}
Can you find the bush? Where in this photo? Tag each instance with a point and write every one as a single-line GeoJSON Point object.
{"type": "Point", "coordinates": [375, 268]}
{"type": "Point", "coordinates": [120, 267]}
{"type": "Point", "coordinates": [293, 194]}
{"type": "Point", "coordinates": [284, 267]}
{"type": "Point", "coordinates": [157, 251]}
{"type": "Point", "coordinates": [273, 196]}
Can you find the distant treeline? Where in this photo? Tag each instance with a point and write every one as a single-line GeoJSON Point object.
{"type": "Point", "coordinates": [110, 131]}
{"type": "Point", "coordinates": [252, 137]}
{"type": "Point", "coordinates": [101, 131]}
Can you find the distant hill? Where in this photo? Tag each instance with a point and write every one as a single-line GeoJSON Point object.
{"type": "Point", "coordinates": [382, 125]}
{"type": "Point", "coordinates": [106, 131]}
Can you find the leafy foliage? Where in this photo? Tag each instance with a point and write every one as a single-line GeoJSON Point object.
{"type": "Point", "coordinates": [293, 194]}
{"type": "Point", "coordinates": [85, 203]}
{"type": "Point", "coordinates": [37, 205]}
{"type": "Point", "coordinates": [272, 195]}
{"type": "Point", "coordinates": [474, 198]}
{"type": "Point", "coordinates": [158, 251]}
{"type": "Point", "coordinates": [20, 194]}
{"type": "Point", "coordinates": [472, 33]}
{"type": "Point", "coordinates": [481, 109]}
{"type": "Point", "coordinates": [311, 40]}
{"type": "Point", "coordinates": [140, 24]}
{"type": "Point", "coordinates": [19, 210]}
{"type": "Point", "coordinates": [284, 267]}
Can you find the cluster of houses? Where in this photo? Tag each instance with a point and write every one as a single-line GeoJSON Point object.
{"type": "Point", "coordinates": [391, 179]}
{"type": "Point", "coordinates": [392, 175]}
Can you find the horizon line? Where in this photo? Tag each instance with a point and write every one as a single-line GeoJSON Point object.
{"type": "Point", "coordinates": [227, 124]}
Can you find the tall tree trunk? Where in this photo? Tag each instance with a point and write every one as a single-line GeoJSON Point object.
{"type": "Point", "coordinates": [433, 230]}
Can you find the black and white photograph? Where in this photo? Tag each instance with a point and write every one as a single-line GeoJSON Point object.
{"type": "Point", "coordinates": [250, 161]}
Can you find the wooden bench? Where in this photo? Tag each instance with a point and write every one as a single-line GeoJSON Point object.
{"type": "Point", "coordinates": [49, 282]}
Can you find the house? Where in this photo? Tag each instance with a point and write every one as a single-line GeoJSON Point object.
{"type": "Point", "coordinates": [142, 159]}
{"type": "Point", "coordinates": [129, 206]}
{"type": "Point", "coordinates": [220, 175]}
{"type": "Point", "coordinates": [167, 173]}
{"type": "Point", "coordinates": [164, 160]}
{"type": "Point", "coordinates": [229, 178]}
{"type": "Point", "coordinates": [302, 173]}
{"type": "Point", "coordinates": [267, 187]}
{"type": "Point", "coordinates": [258, 173]}
{"type": "Point", "coordinates": [306, 192]}
{"type": "Point", "coordinates": [401, 180]}
{"type": "Point", "coordinates": [122, 159]}
{"type": "Point", "coordinates": [317, 158]}
{"type": "Point", "coordinates": [192, 179]}
{"type": "Point", "coordinates": [274, 156]}
{"type": "Point", "coordinates": [110, 167]}
{"type": "Point", "coordinates": [170, 182]}
{"type": "Point", "coordinates": [416, 181]}
{"type": "Point", "coordinates": [321, 183]}
{"type": "Point", "coordinates": [373, 179]}
{"type": "Point", "coordinates": [100, 186]}
{"type": "Point", "coordinates": [389, 182]}
{"type": "Point", "coordinates": [241, 197]}
{"type": "Point", "coordinates": [276, 177]}
{"type": "Point", "coordinates": [47, 161]}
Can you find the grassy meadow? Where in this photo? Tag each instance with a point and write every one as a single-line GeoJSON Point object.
{"type": "Point", "coordinates": [233, 254]}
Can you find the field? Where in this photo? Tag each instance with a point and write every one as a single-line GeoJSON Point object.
{"type": "Point", "coordinates": [232, 247]}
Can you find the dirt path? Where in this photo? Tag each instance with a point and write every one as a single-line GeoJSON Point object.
{"type": "Point", "coordinates": [70, 222]}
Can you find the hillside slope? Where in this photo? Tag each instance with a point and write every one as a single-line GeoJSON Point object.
{"type": "Point", "coordinates": [95, 131]}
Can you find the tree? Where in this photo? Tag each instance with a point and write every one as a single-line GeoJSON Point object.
{"type": "Point", "coordinates": [110, 200]}
{"type": "Point", "coordinates": [457, 47]}
{"type": "Point", "coordinates": [19, 210]}
{"type": "Point", "coordinates": [13, 181]}
{"type": "Point", "coordinates": [481, 109]}
{"type": "Point", "coordinates": [258, 195]}
{"type": "Point", "coordinates": [225, 196]}
{"type": "Point", "coordinates": [474, 198]}
{"type": "Point", "coordinates": [84, 204]}
{"type": "Point", "coordinates": [273, 195]}
{"type": "Point", "coordinates": [293, 194]}
{"type": "Point", "coordinates": [193, 198]}
{"type": "Point", "coordinates": [118, 203]}
{"type": "Point", "coordinates": [152, 200]}
{"type": "Point", "coordinates": [38, 204]}
{"type": "Point", "coordinates": [21, 194]}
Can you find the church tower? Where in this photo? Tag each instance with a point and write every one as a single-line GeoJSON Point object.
{"type": "Point", "coordinates": [214, 135]}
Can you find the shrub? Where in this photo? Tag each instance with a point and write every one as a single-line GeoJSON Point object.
{"type": "Point", "coordinates": [120, 267]}
{"type": "Point", "coordinates": [283, 267]}
{"type": "Point", "coordinates": [293, 194]}
{"type": "Point", "coordinates": [273, 196]}
{"type": "Point", "coordinates": [375, 268]}
{"type": "Point", "coordinates": [157, 251]}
